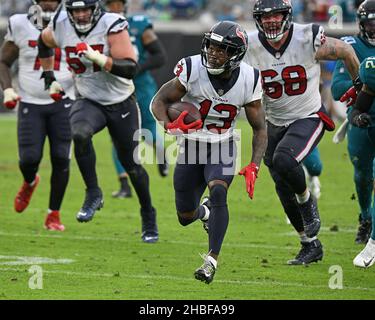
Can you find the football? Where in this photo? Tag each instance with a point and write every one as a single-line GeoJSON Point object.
{"type": "Point", "coordinates": [177, 108]}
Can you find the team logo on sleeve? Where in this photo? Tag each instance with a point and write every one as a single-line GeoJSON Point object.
{"type": "Point", "coordinates": [178, 69]}
{"type": "Point", "coordinates": [323, 38]}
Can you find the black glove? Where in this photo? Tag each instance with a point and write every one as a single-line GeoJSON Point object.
{"type": "Point", "coordinates": [361, 120]}
{"type": "Point", "coordinates": [48, 77]}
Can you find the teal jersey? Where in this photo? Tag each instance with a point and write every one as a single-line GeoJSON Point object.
{"type": "Point", "coordinates": [341, 80]}
{"type": "Point", "coordinates": [367, 76]}
{"type": "Point", "coordinates": [137, 26]}
{"type": "Point", "coordinates": [367, 72]}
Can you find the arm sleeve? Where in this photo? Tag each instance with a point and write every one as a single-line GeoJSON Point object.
{"type": "Point", "coordinates": [9, 36]}
{"type": "Point", "coordinates": [182, 71]}
{"type": "Point", "coordinates": [156, 57]}
{"type": "Point", "coordinates": [119, 25]}
{"type": "Point", "coordinates": [257, 89]}
{"type": "Point", "coordinates": [319, 37]}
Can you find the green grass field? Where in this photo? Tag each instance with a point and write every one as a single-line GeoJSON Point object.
{"type": "Point", "coordinates": [105, 259]}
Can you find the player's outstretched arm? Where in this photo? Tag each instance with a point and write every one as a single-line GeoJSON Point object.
{"type": "Point", "coordinates": [334, 49]}
{"type": "Point", "coordinates": [256, 117]}
{"type": "Point", "coordinates": [46, 43]}
{"type": "Point", "coordinates": [169, 93]}
{"type": "Point", "coordinates": [46, 54]}
{"type": "Point", "coordinates": [365, 99]}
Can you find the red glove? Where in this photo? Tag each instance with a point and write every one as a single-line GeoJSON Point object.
{"type": "Point", "coordinates": [250, 172]}
{"type": "Point", "coordinates": [349, 97]}
{"type": "Point", "coordinates": [179, 126]}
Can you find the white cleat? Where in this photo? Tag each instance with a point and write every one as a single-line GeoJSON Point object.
{"type": "Point", "coordinates": [366, 258]}
{"type": "Point", "coordinates": [314, 186]}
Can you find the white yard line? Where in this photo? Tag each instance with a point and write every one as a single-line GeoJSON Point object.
{"type": "Point", "coordinates": [190, 279]}
{"type": "Point", "coordinates": [129, 240]}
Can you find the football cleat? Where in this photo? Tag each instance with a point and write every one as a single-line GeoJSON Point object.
{"type": "Point", "coordinates": [93, 201]}
{"type": "Point", "coordinates": [206, 271]}
{"type": "Point", "coordinates": [366, 258]}
{"type": "Point", "coordinates": [310, 217]}
{"type": "Point", "coordinates": [163, 169]}
{"type": "Point", "coordinates": [314, 186]}
{"type": "Point", "coordinates": [150, 232]}
{"type": "Point", "coordinates": [53, 221]}
{"type": "Point", "coordinates": [364, 231]}
{"type": "Point", "coordinates": [207, 208]}
{"type": "Point", "coordinates": [124, 192]}
{"type": "Point", "coordinates": [310, 252]}
{"type": "Point", "coordinates": [23, 196]}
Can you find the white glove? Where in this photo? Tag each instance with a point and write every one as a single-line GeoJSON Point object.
{"type": "Point", "coordinates": [56, 91]}
{"type": "Point", "coordinates": [91, 54]}
{"type": "Point", "coordinates": [341, 132]}
{"type": "Point", "coordinates": [10, 98]}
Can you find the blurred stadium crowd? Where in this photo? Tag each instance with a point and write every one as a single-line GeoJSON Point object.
{"type": "Point", "coordinates": [236, 10]}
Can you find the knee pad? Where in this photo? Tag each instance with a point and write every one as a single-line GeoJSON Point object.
{"type": "Point", "coordinates": [283, 162]}
{"type": "Point", "coordinates": [218, 196]}
{"type": "Point", "coordinates": [81, 132]}
{"type": "Point", "coordinates": [60, 164]}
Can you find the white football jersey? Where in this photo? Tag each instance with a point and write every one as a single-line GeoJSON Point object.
{"type": "Point", "coordinates": [31, 88]}
{"type": "Point", "coordinates": [219, 102]}
{"type": "Point", "coordinates": [291, 75]}
{"type": "Point", "coordinates": [92, 82]}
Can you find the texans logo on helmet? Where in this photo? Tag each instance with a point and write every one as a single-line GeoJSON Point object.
{"type": "Point", "coordinates": [241, 35]}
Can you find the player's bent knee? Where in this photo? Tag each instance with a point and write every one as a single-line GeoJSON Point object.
{"type": "Point", "coordinates": [218, 195]}
{"type": "Point", "coordinates": [316, 169]}
{"type": "Point", "coordinates": [283, 162]}
{"type": "Point", "coordinates": [185, 218]}
{"type": "Point", "coordinates": [81, 132]}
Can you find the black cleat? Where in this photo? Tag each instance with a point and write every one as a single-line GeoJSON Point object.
{"type": "Point", "coordinates": [206, 272]}
{"type": "Point", "coordinates": [310, 217]}
{"type": "Point", "coordinates": [150, 232]}
{"type": "Point", "coordinates": [125, 191]}
{"type": "Point", "coordinates": [163, 169]}
{"type": "Point", "coordinates": [93, 201]}
{"type": "Point", "coordinates": [122, 194]}
{"type": "Point", "coordinates": [364, 231]}
{"type": "Point", "coordinates": [207, 204]}
{"type": "Point", "coordinates": [310, 252]}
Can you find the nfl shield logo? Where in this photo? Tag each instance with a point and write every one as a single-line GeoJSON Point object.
{"type": "Point", "coordinates": [220, 92]}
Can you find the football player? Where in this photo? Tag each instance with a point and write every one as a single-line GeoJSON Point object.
{"type": "Point", "coordinates": [100, 54]}
{"type": "Point", "coordinates": [363, 116]}
{"type": "Point", "coordinates": [151, 55]}
{"type": "Point", "coordinates": [219, 84]}
{"type": "Point", "coordinates": [39, 116]}
{"type": "Point", "coordinates": [288, 56]}
{"type": "Point", "coordinates": [359, 140]}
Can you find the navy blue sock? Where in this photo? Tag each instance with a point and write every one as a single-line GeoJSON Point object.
{"type": "Point", "coordinates": [219, 218]}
